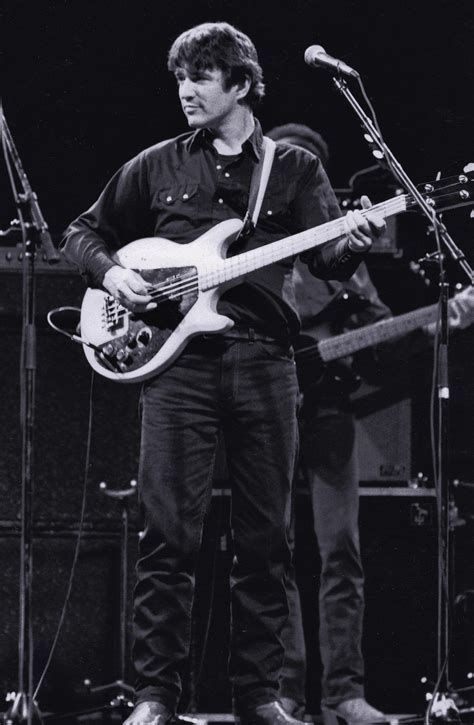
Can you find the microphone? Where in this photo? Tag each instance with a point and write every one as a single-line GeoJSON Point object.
{"type": "Point", "coordinates": [317, 57]}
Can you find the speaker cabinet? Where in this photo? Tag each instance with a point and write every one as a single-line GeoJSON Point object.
{"type": "Point", "coordinates": [63, 393]}
{"type": "Point", "coordinates": [398, 545]}
{"type": "Point", "coordinates": [384, 434]}
{"type": "Point", "coordinates": [88, 646]}
{"type": "Point", "coordinates": [384, 441]}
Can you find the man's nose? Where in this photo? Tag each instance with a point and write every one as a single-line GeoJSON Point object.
{"type": "Point", "coordinates": [186, 89]}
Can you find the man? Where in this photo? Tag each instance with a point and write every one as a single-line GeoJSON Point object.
{"type": "Point", "coordinates": [330, 467]}
{"type": "Point", "coordinates": [329, 462]}
{"type": "Point", "coordinates": [241, 383]}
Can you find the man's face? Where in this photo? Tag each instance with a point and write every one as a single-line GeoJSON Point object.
{"type": "Point", "coordinates": [205, 101]}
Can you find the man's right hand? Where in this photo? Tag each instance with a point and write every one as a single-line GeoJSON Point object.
{"type": "Point", "coordinates": [129, 288]}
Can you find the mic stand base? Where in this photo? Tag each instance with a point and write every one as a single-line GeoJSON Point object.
{"type": "Point", "coordinates": [444, 710]}
{"type": "Point", "coordinates": [23, 710]}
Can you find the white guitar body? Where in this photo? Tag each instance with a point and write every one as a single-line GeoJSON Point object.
{"type": "Point", "coordinates": [152, 349]}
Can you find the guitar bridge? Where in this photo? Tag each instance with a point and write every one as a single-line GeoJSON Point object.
{"type": "Point", "coordinates": [114, 314]}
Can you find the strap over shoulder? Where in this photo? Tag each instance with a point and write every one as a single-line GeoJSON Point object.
{"type": "Point", "coordinates": [258, 186]}
{"type": "Point", "coordinates": [263, 170]}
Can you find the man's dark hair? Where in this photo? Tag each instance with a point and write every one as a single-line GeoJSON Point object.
{"type": "Point", "coordinates": [304, 136]}
{"type": "Point", "coordinates": [220, 45]}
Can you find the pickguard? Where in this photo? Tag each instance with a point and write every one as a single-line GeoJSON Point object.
{"type": "Point", "coordinates": [135, 338]}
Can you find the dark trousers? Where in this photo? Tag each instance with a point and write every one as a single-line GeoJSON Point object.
{"type": "Point", "coordinates": [247, 392]}
{"type": "Point", "coordinates": [328, 456]}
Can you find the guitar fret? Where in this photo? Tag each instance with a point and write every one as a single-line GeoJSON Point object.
{"type": "Point", "coordinates": [242, 264]}
{"type": "Point", "coordinates": [355, 340]}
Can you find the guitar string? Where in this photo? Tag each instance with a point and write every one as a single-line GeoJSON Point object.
{"type": "Point", "coordinates": [183, 288]}
{"type": "Point", "coordinates": [388, 206]}
{"type": "Point", "coordinates": [381, 330]}
{"type": "Point", "coordinates": [166, 290]}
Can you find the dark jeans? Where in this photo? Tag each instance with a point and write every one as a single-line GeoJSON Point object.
{"type": "Point", "coordinates": [328, 456]}
{"type": "Point", "coordinates": [248, 392]}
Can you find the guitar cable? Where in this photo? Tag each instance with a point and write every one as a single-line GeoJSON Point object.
{"type": "Point", "coordinates": [108, 360]}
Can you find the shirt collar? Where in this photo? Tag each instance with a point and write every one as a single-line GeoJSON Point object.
{"type": "Point", "coordinates": [203, 137]}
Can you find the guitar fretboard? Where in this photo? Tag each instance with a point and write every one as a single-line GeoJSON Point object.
{"type": "Point", "coordinates": [242, 264]}
{"type": "Point", "coordinates": [355, 340]}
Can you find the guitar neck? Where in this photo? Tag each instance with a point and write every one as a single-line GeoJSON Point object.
{"type": "Point", "coordinates": [242, 264]}
{"type": "Point", "coordinates": [355, 340]}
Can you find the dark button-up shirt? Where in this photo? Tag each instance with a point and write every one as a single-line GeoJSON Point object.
{"type": "Point", "coordinates": [180, 188]}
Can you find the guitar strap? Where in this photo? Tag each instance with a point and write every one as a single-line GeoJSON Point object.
{"type": "Point", "coordinates": [258, 187]}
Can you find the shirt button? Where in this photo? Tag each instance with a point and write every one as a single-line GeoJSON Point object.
{"type": "Point", "coordinates": [169, 198]}
{"type": "Point", "coordinates": [269, 212]}
{"type": "Point", "coordinates": [185, 197]}
{"type": "Point", "coordinates": [226, 174]}
{"type": "Point", "coordinates": [221, 201]}
{"type": "Point", "coordinates": [218, 167]}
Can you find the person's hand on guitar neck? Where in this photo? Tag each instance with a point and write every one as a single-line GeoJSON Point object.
{"type": "Point", "coordinates": [362, 229]}
{"type": "Point", "coordinates": [461, 311]}
{"type": "Point", "coordinates": [129, 288]}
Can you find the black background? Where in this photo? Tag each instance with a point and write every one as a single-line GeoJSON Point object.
{"type": "Point", "coordinates": [86, 88]}
{"type": "Point", "coordinates": [87, 85]}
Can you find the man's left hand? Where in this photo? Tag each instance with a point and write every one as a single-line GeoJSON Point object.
{"type": "Point", "coordinates": [461, 311]}
{"type": "Point", "coordinates": [362, 229]}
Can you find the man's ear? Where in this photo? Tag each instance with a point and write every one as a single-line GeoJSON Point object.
{"type": "Point", "coordinates": [243, 88]}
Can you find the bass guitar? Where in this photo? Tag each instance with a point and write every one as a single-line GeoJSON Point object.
{"type": "Point", "coordinates": [187, 281]}
{"type": "Point", "coordinates": [312, 357]}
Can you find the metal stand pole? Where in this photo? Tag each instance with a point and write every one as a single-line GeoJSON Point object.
{"type": "Point", "coordinates": [441, 708]}
{"type": "Point", "coordinates": [23, 708]}
{"type": "Point", "coordinates": [444, 543]}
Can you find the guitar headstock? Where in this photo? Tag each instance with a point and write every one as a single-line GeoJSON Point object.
{"type": "Point", "coordinates": [448, 193]}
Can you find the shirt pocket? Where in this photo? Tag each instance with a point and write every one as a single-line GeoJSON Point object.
{"type": "Point", "coordinates": [180, 195]}
{"type": "Point", "coordinates": [275, 207]}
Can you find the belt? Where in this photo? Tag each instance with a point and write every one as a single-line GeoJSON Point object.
{"type": "Point", "coordinates": [248, 334]}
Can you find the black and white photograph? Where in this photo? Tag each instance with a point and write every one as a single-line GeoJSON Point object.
{"type": "Point", "coordinates": [237, 399]}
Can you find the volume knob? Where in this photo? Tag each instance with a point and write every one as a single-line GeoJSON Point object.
{"type": "Point", "coordinates": [144, 336]}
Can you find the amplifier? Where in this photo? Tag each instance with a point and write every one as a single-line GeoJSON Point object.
{"type": "Point", "coordinates": [88, 646]}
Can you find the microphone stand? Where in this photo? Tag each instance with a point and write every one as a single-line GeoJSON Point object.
{"type": "Point", "coordinates": [34, 232]}
{"type": "Point", "coordinates": [444, 708]}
